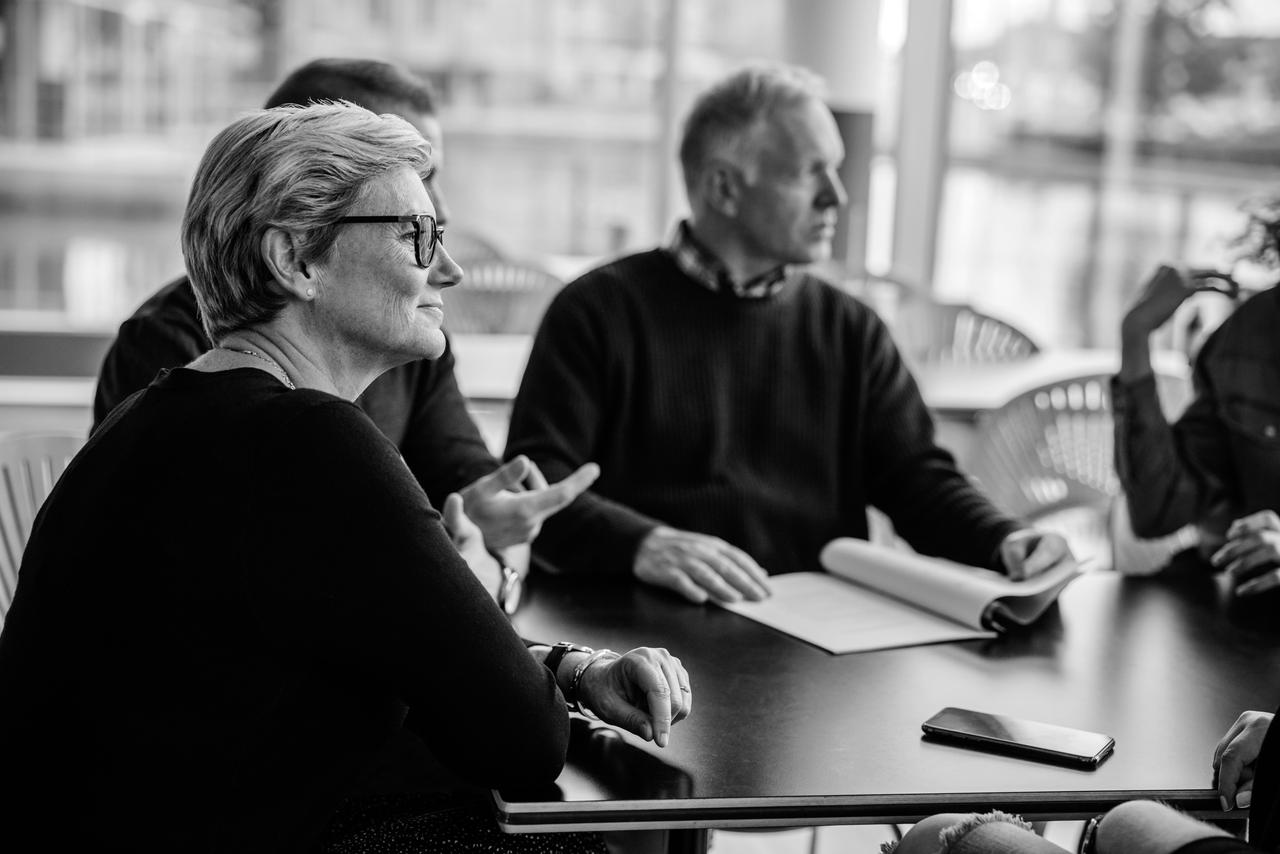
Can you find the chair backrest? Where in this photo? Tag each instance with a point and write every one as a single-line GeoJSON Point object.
{"type": "Point", "coordinates": [932, 332]}
{"type": "Point", "coordinates": [499, 297]}
{"type": "Point", "coordinates": [1047, 456]}
{"type": "Point", "coordinates": [1048, 448]}
{"type": "Point", "coordinates": [30, 464]}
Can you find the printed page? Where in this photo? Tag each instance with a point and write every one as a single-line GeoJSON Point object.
{"type": "Point", "coordinates": [944, 587]}
{"type": "Point", "coordinates": [840, 617]}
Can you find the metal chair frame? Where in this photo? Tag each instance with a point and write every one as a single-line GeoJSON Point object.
{"type": "Point", "coordinates": [1047, 456]}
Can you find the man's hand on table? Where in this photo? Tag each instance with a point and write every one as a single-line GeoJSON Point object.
{"type": "Point", "coordinates": [1234, 758]}
{"type": "Point", "coordinates": [1029, 552]}
{"type": "Point", "coordinates": [699, 567]}
{"type": "Point", "coordinates": [510, 504]}
{"type": "Point", "coordinates": [646, 691]}
{"type": "Point", "coordinates": [1251, 554]}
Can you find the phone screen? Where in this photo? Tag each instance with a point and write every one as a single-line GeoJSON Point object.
{"type": "Point", "coordinates": [1031, 739]}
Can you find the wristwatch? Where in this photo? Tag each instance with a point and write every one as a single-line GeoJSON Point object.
{"type": "Point", "coordinates": [511, 588]}
{"type": "Point", "coordinates": [559, 651]}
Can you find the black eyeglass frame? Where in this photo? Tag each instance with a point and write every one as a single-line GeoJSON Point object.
{"type": "Point", "coordinates": [436, 231]}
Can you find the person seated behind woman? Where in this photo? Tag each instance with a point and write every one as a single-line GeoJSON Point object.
{"type": "Point", "coordinates": [217, 643]}
{"type": "Point", "coordinates": [1246, 764]}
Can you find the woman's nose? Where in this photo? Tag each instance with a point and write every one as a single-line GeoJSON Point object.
{"type": "Point", "coordinates": [444, 272]}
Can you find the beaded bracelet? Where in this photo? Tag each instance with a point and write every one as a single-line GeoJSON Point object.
{"type": "Point", "coordinates": [572, 695]}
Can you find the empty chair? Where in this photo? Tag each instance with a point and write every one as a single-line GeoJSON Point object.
{"type": "Point", "coordinates": [932, 332]}
{"type": "Point", "coordinates": [499, 297]}
{"type": "Point", "coordinates": [1047, 456]}
{"type": "Point", "coordinates": [30, 464]}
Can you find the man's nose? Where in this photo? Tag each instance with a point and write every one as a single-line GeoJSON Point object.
{"type": "Point", "coordinates": [832, 193]}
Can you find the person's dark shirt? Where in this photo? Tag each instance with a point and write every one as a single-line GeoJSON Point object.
{"type": "Point", "coordinates": [770, 422]}
{"type": "Point", "coordinates": [229, 604]}
{"type": "Point", "coordinates": [418, 406]}
{"type": "Point", "coordinates": [1220, 459]}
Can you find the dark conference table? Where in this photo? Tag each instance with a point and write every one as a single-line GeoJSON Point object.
{"type": "Point", "coordinates": [785, 734]}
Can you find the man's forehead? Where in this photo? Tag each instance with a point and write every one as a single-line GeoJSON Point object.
{"type": "Point", "coordinates": [803, 130]}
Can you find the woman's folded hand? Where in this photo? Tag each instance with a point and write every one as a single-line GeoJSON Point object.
{"type": "Point", "coordinates": [645, 691]}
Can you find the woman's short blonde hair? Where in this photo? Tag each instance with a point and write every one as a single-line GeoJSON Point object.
{"type": "Point", "coordinates": [294, 168]}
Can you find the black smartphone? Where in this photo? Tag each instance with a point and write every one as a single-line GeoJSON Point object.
{"type": "Point", "coordinates": [1017, 737]}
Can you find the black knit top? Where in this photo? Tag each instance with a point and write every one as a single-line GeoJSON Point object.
{"type": "Point", "coordinates": [772, 423]}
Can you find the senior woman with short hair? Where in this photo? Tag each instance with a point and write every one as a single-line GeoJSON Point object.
{"type": "Point", "coordinates": [218, 644]}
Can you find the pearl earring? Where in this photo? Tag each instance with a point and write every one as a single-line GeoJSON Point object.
{"type": "Point", "coordinates": [311, 292]}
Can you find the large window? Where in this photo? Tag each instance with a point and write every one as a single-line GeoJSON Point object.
{"type": "Point", "coordinates": [1090, 141]}
{"type": "Point", "coordinates": [558, 117]}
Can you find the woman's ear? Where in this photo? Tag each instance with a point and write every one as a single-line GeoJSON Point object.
{"type": "Point", "coordinates": [279, 251]}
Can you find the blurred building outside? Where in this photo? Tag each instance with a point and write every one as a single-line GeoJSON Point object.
{"type": "Point", "coordinates": [1081, 142]}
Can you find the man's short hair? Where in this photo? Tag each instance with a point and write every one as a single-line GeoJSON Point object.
{"type": "Point", "coordinates": [374, 85]}
{"type": "Point", "coordinates": [722, 116]}
{"type": "Point", "coordinates": [295, 168]}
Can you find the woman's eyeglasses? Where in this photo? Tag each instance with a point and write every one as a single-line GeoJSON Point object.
{"type": "Point", "coordinates": [427, 233]}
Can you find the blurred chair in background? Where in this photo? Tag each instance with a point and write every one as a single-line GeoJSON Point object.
{"type": "Point", "coordinates": [931, 332]}
{"type": "Point", "coordinates": [30, 464]}
{"type": "Point", "coordinates": [499, 297]}
{"type": "Point", "coordinates": [928, 331]}
{"type": "Point", "coordinates": [1046, 456]}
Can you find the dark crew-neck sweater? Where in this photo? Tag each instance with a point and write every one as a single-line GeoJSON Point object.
{"type": "Point", "coordinates": [772, 423]}
{"type": "Point", "coordinates": [236, 607]}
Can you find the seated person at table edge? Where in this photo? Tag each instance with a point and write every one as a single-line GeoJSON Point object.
{"type": "Point", "coordinates": [1246, 764]}
{"type": "Point", "coordinates": [240, 626]}
{"type": "Point", "coordinates": [417, 405]}
{"type": "Point", "coordinates": [743, 412]}
{"type": "Point", "coordinates": [1218, 464]}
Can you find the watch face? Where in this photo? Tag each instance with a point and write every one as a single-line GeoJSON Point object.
{"type": "Point", "coordinates": [512, 587]}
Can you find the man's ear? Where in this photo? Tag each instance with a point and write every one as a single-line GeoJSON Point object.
{"type": "Point", "coordinates": [722, 187]}
{"type": "Point", "coordinates": [281, 256]}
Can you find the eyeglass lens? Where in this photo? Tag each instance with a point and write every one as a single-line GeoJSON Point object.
{"type": "Point", "coordinates": [425, 243]}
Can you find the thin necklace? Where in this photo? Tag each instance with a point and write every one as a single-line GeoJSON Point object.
{"type": "Point", "coordinates": [284, 375]}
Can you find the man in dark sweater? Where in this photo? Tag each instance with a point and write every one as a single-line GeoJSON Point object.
{"type": "Point", "coordinates": [743, 411]}
{"type": "Point", "coordinates": [418, 406]}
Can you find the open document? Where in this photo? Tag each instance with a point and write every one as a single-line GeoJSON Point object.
{"type": "Point", "coordinates": [873, 597]}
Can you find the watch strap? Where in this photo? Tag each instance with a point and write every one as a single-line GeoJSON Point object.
{"type": "Point", "coordinates": [559, 651]}
{"type": "Point", "coordinates": [573, 696]}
